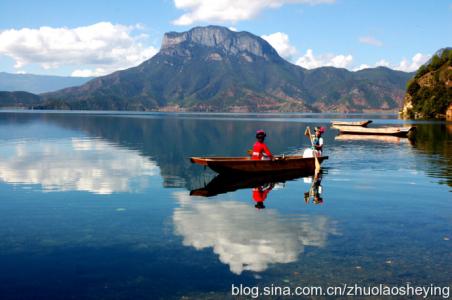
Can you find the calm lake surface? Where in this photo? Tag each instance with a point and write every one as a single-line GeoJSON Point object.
{"type": "Point", "coordinates": [98, 206]}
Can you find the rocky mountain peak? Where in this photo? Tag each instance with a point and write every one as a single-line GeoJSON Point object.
{"type": "Point", "coordinates": [219, 39]}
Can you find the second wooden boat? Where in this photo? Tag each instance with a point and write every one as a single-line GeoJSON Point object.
{"type": "Point", "coordinates": [356, 123]}
{"type": "Point", "coordinates": [247, 165]}
{"type": "Point", "coordinates": [395, 131]}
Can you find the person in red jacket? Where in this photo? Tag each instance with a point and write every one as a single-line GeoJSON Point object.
{"type": "Point", "coordinates": [260, 150]}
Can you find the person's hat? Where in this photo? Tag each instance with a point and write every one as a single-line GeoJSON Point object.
{"type": "Point", "coordinates": [260, 134]}
{"type": "Point", "coordinates": [259, 205]}
{"type": "Point", "coordinates": [320, 129]}
{"type": "Point", "coordinates": [318, 200]}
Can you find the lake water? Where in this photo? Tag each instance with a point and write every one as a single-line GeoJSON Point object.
{"type": "Point", "coordinates": [98, 206]}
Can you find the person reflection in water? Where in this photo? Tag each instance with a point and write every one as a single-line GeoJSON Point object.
{"type": "Point", "coordinates": [315, 191]}
{"type": "Point", "coordinates": [260, 194]}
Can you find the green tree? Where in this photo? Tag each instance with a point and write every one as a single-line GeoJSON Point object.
{"type": "Point", "coordinates": [412, 87]}
{"type": "Point", "coordinates": [435, 63]}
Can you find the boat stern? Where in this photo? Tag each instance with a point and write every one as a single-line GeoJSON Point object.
{"type": "Point", "coordinates": [199, 160]}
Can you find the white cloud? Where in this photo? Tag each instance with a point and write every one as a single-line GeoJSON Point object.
{"type": "Point", "coordinates": [76, 164]}
{"type": "Point", "coordinates": [310, 61]}
{"type": "Point", "coordinates": [89, 72]}
{"type": "Point", "coordinates": [369, 40]}
{"type": "Point", "coordinates": [280, 41]}
{"type": "Point", "coordinates": [234, 230]}
{"type": "Point", "coordinates": [105, 46]}
{"type": "Point", "coordinates": [361, 67]}
{"type": "Point", "coordinates": [382, 63]}
{"type": "Point", "coordinates": [405, 65]}
{"type": "Point", "coordinates": [416, 61]}
{"type": "Point", "coordinates": [229, 10]}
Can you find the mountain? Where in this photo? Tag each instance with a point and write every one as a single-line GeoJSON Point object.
{"type": "Point", "coordinates": [214, 69]}
{"type": "Point", "coordinates": [37, 83]}
{"type": "Point", "coordinates": [334, 89]}
{"type": "Point", "coordinates": [18, 99]}
{"type": "Point", "coordinates": [429, 93]}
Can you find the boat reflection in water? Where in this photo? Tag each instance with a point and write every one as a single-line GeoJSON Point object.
{"type": "Point", "coordinates": [260, 185]}
{"type": "Point", "coordinates": [374, 138]}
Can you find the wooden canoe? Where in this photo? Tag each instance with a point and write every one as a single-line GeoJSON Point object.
{"type": "Point", "coordinates": [247, 165]}
{"type": "Point", "coordinates": [357, 123]}
{"type": "Point", "coordinates": [371, 137]}
{"type": "Point", "coordinates": [395, 131]}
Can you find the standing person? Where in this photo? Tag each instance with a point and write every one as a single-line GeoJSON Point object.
{"type": "Point", "coordinates": [260, 150]}
{"type": "Point", "coordinates": [318, 140]}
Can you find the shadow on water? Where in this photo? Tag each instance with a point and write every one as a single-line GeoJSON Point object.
{"type": "Point", "coordinates": [434, 143]}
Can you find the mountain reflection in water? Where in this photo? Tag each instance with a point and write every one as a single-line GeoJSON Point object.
{"type": "Point", "coordinates": [170, 139]}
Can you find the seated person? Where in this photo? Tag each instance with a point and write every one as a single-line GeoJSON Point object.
{"type": "Point", "coordinates": [260, 150]}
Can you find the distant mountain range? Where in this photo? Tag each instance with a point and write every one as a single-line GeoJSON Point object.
{"type": "Point", "coordinates": [18, 99]}
{"type": "Point", "coordinates": [37, 83]}
{"type": "Point", "coordinates": [215, 69]}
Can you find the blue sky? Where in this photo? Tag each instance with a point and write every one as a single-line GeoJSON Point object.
{"type": "Point", "coordinates": [86, 38]}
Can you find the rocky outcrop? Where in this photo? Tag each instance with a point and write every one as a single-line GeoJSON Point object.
{"type": "Point", "coordinates": [221, 39]}
{"type": "Point", "coordinates": [429, 93]}
{"type": "Point", "coordinates": [449, 113]}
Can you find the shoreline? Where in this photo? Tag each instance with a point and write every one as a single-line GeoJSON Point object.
{"type": "Point", "coordinates": [132, 112]}
{"type": "Point", "coordinates": [322, 117]}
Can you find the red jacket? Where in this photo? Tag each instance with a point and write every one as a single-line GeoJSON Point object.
{"type": "Point", "coordinates": [259, 194]}
{"type": "Point", "coordinates": [258, 150]}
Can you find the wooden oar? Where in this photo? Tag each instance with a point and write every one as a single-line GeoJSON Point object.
{"type": "Point", "coordinates": [317, 163]}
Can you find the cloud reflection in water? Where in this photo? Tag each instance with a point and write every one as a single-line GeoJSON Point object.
{"type": "Point", "coordinates": [244, 238]}
{"type": "Point", "coordinates": [75, 164]}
